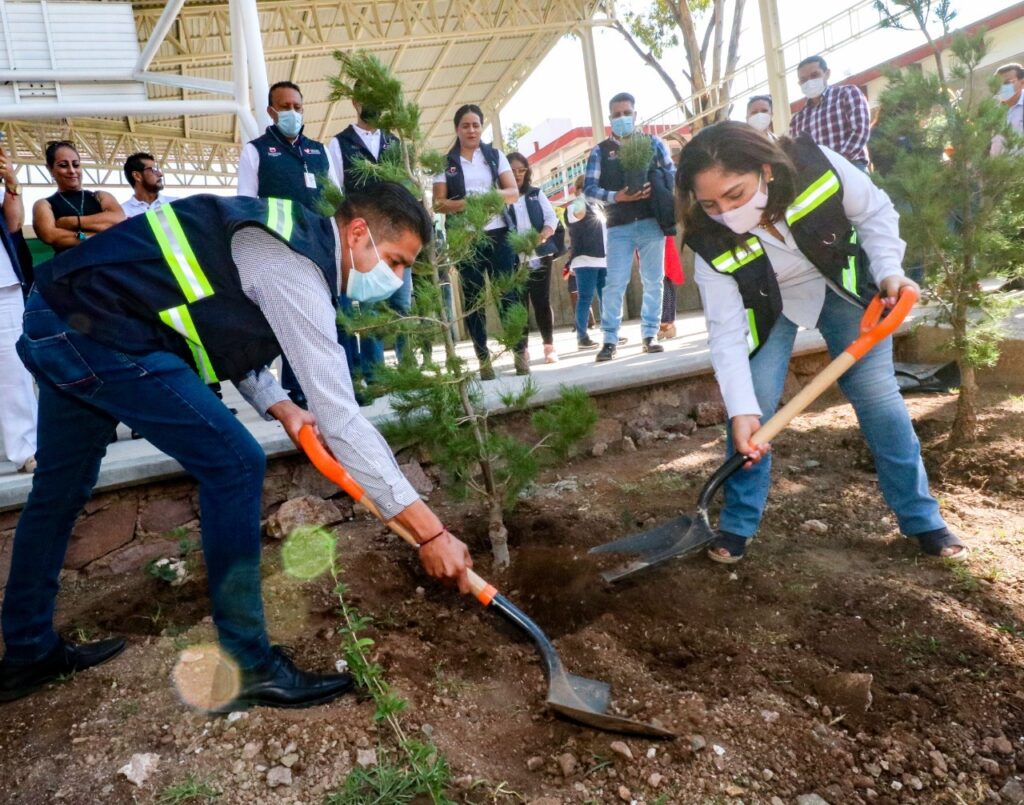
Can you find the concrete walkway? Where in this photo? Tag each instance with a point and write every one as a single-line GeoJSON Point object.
{"type": "Point", "coordinates": [131, 462]}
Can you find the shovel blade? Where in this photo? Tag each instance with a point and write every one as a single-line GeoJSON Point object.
{"type": "Point", "coordinates": [586, 702]}
{"type": "Point", "coordinates": [675, 538]}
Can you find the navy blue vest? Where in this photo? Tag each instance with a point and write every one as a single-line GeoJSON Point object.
{"type": "Point", "coordinates": [453, 176]}
{"type": "Point", "coordinates": [586, 235]}
{"type": "Point", "coordinates": [613, 178]}
{"type": "Point", "coordinates": [166, 280]}
{"type": "Point", "coordinates": [283, 166]}
{"type": "Point", "coordinates": [353, 149]}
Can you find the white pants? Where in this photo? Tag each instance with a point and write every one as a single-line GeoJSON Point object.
{"type": "Point", "coordinates": [17, 394]}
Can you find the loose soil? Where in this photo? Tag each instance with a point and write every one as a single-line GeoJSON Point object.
{"type": "Point", "coordinates": [736, 659]}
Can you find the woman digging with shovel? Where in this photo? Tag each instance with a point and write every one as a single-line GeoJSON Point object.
{"type": "Point", "coordinates": [788, 234]}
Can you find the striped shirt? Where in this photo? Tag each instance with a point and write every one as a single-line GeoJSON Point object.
{"type": "Point", "coordinates": [841, 122]}
{"type": "Point", "coordinates": [592, 182]}
{"type": "Point", "coordinates": [291, 292]}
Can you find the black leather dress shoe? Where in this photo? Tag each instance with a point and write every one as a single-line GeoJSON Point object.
{"type": "Point", "coordinates": [21, 679]}
{"type": "Point", "coordinates": [278, 683]}
{"type": "Point", "coordinates": [606, 354]}
{"type": "Point", "coordinates": [651, 346]}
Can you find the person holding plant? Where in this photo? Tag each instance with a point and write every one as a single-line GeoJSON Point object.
{"type": "Point", "coordinates": [618, 175]}
{"type": "Point", "coordinates": [478, 167]}
{"type": "Point", "coordinates": [533, 211]}
{"type": "Point", "coordinates": [587, 260]}
{"type": "Point", "coordinates": [791, 234]}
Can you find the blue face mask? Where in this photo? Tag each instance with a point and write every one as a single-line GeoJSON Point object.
{"type": "Point", "coordinates": [375, 285]}
{"type": "Point", "coordinates": [1007, 91]}
{"type": "Point", "coordinates": [623, 126]}
{"type": "Point", "coordinates": [289, 123]}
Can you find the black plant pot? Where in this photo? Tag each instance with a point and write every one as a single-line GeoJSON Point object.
{"type": "Point", "coordinates": [636, 179]}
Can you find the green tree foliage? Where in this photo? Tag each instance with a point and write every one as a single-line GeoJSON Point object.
{"type": "Point", "coordinates": [515, 131]}
{"type": "Point", "coordinates": [960, 207]}
{"type": "Point", "coordinates": [710, 58]}
{"type": "Point", "coordinates": [441, 406]}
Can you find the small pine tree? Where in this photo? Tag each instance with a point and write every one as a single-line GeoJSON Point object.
{"type": "Point", "coordinates": [960, 207]}
{"type": "Point", "coordinates": [442, 407]}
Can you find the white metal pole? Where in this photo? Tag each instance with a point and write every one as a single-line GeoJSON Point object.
{"type": "Point", "coordinates": [160, 30]}
{"type": "Point", "coordinates": [255, 58]}
{"type": "Point", "coordinates": [240, 75]}
{"type": "Point", "coordinates": [586, 33]}
{"type": "Point", "coordinates": [55, 111]}
{"type": "Point", "coordinates": [771, 34]}
{"type": "Point", "coordinates": [498, 138]}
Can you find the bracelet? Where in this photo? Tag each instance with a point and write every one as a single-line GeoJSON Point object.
{"type": "Point", "coordinates": [438, 534]}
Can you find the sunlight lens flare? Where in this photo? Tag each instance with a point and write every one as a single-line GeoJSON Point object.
{"type": "Point", "coordinates": [308, 552]}
{"type": "Point", "coordinates": [206, 678]}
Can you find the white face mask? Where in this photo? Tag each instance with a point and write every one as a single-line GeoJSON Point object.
{"type": "Point", "coordinates": [744, 218]}
{"type": "Point", "coordinates": [375, 285]}
{"type": "Point", "coordinates": [760, 120]}
{"type": "Point", "coordinates": [813, 87]}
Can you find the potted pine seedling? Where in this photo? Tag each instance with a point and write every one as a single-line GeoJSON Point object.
{"type": "Point", "coordinates": [635, 155]}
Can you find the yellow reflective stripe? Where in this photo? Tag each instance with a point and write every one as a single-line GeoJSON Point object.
{"type": "Point", "coordinates": [727, 262]}
{"type": "Point", "coordinates": [180, 320]}
{"type": "Point", "coordinates": [753, 339]}
{"type": "Point", "coordinates": [850, 271]}
{"type": "Point", "coordinates": [813, 197]}
{"type": "Point", "coordinates": [279, 216]}
{"type": "Point", "coordinates": [178, 254]}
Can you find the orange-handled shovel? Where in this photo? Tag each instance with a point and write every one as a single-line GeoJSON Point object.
{"type": "Point", "coordinates": [685, 534]}
{"type": "Point", "coordinates": [575, 697]}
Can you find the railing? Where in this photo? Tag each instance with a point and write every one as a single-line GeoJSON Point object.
{"type": "Point", "coordinates": [751, 78]}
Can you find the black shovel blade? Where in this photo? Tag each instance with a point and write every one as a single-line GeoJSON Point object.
{"type": "Point", "coordinates": [577, 698]}
{"type": "Point", "coordinates": [678, 537]}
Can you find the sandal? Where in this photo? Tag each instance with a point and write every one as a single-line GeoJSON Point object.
{"type": "Point", "coordinates": [734, 545]}
{"type": "Point", "coordinates": [932, 543]}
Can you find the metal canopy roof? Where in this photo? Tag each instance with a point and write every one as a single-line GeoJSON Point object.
{"type": "Point", "coordinates": [446, 53]}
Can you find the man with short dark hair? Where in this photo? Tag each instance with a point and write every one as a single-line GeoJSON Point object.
{"type": "Point", "coordinates": [836, 117]}
{"type": "Point", "coordinates": [1011, 96]}
{"type": "Point", "coordinates": [632, 227]}
{"type": "Point", "coordinates": [284, 163]}
{"type": "Point", "coordinates": [147, 183]}
{"type": "Point", "coordinates": [117, 330]}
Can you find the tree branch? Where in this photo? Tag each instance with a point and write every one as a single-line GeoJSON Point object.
{"type": "Point", "coordinates": [649, 60]}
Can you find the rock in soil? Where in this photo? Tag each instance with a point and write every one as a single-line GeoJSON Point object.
{"type": "Point", "coordinates": [138, 769]}
{"type": "Point", "coordinates": [307, 510]}
{"type": "Point", "coordinates": [849, 693]}
{"type": "Point", "coordinates": [567, 764]}
{"type": "Point", "coordinates": [620, 748]}
{"type": "Point", "coordinates": [279, 775]}
{"type": "Point", "coordinates": [1013, 791]}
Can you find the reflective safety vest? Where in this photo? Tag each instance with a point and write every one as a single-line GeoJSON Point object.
{"type": "Point", "coordinates": [166, 281]}
{"type": "Point", "coordinates": [821, 230]}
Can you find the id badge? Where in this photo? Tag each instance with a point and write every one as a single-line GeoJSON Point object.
{"type": "Point", "coordinates": [310, 180]}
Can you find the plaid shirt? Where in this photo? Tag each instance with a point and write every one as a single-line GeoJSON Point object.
{"type": "Point", "coordinates": [840, 122]}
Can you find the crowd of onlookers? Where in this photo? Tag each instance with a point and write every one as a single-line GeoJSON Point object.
{"type": "Point", "coordinates": [604, 229]}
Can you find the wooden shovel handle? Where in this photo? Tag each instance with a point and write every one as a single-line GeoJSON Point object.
{"type": "Point", "coordinates": [873, 328]}
{"type": "Point", "coordinates": [328, 466]}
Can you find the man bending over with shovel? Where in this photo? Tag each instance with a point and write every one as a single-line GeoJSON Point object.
{"type": "Point", "coordinates": [131, 326]}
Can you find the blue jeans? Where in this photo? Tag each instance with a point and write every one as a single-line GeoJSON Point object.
{"type": "Point", "coordinates": [85, 389]}
{"type": "Point", "coordinates": [371, 350]}
{"type": "Point", "coordinates": [870, 386]}
{"type": "Point", "coordinates": [646, 237]}
{"type": "Point", "coordinates": [588, 282]}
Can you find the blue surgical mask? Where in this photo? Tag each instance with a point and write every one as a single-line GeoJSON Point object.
{"type": "Point", "coordinates": [1007, 91]}
{"type": "Point", "coordinates": [623, 126]}
{"type": "Point", "coordinates": [289, 123]}
{"type": "Point", "coordinates": [375, 285]}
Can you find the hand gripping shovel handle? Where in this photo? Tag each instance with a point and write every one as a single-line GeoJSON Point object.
{"type": "Point", "coordinates": [873, 329]}
{"type": "Point", "coordinates": [333, 471]}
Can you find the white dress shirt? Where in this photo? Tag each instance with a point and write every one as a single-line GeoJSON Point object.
{"type": "Point", "coordinates": [136, 206]}
{"type": "Point", "coordinates": [801, 284]}
{"type": "Point", "coordinates": [477, 174]}
{"type": "Point", "coordinates": [370, 139]}
{"type": "Point", "coordinates": [523, 222]}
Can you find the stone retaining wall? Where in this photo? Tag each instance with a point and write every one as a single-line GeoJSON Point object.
{"type": "Point", "coordinates": [121, 531]}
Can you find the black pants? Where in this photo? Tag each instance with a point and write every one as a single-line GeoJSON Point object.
{"type": "Point", "coordinates": [496, 259]}
{"type": "Point", "coordinates": [538, 292]}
